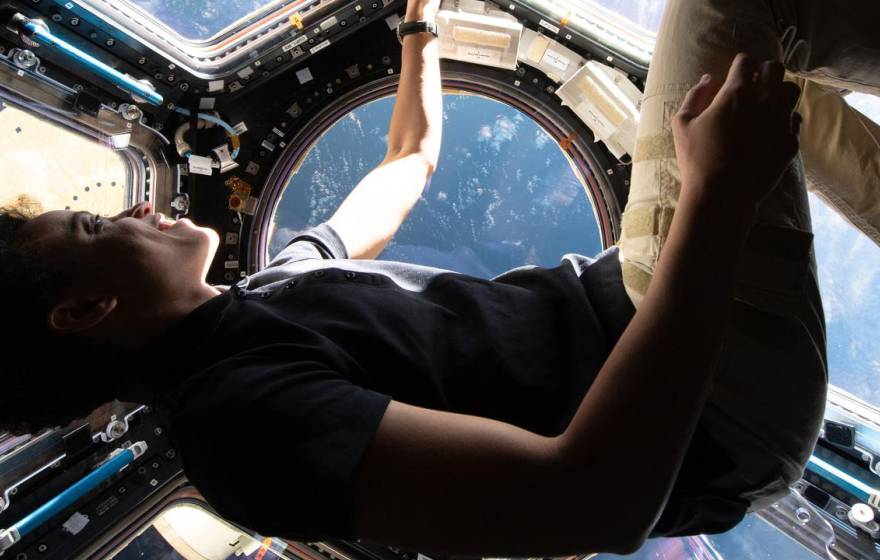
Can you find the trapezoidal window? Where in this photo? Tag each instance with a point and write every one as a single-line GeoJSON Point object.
{"type": "Point", "coordinates": [503, 195]}
{"type": "Point", "coordinates": [849, 280]}
{"type": "Point", "coordinates": [60, 168]}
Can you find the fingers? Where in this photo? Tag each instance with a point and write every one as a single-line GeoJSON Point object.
{"type": "Point", "coordinates": [789, 95]}
{"type": "Point", "coordinates": [797, 122]}
{"type": "Point", "coordinates": [743, 72]}
{"type": "Point", "coordinates": [772, 73]}
{"type": "Point", "coordinates": [699, 98]}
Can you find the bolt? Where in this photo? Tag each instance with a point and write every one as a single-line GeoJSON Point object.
{"type": "Point", "coordinates": [171, 454]}
{"type": "Point", "coordinates": [122, 490]}
{"type": "Point", "coordinates": [25, 59]}
{"type": "Point", "coordinates": [155, 464]}
{"type": "Point", "coordinates": [110, 42]}
{"type": "Point", "coordinates": [158, 76]}
{"type": "Point", "coordinates": [158, 431]}
{"type": "Point", "coordinates": [41, 69]}
{"type": "Point", "coordinates": [56, 17]}
{"type": "Point", "coordinates": [142, 470]}
{"type": "Point", "coordinates": [142, 60]}
{"type": "Point", "coordinates": [172, 67]}
{"type": "Point", "coordinates": [184, 86]}
{"type": "Point", "coordinates": [74, 21]}
{"type": "Point", "coordinates": [42, 548]}
{"type": "Point", "coordinates": [93, 34]}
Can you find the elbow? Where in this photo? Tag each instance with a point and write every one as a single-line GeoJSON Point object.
{"type": "Point", "coordinates": [428, 158]}
{"type": "Point", "coordinates": [627, 546]}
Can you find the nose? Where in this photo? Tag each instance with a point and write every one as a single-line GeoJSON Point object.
{"type": "Point", "coordinates": [139, 211]}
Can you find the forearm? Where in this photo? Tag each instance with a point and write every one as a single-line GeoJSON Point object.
{"type": "Point", "coordinates": [417, 120]}
{"type": "Point", "coordinates": [638, 417]}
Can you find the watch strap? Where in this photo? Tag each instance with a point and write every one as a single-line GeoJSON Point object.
{"type": "Point", "coordinates": [409, 27]}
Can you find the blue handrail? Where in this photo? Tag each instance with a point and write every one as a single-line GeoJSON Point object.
{"type": "Point", "coordinates": [38, 32]}
{"type": "Point", "coordinates": [846, 481]}
{"type": "Point", "coordinates": [68, 497]}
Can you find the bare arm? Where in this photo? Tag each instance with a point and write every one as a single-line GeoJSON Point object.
{"type": "Point", "coordinates": [458, 484]}
{"type": "Point", "coordinates": [370, 216]}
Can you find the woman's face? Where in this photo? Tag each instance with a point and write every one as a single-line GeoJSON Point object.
{"type": "Point", "coordinates": [135, 254]}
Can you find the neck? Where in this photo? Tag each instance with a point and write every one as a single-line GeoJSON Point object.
{"type": "Point", "coordinates": [143, 323]}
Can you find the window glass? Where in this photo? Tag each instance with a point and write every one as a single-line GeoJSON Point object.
{"type": "Point", "coordinates": [644, 13]}
{"type": "Point", "coordinates": [503, 195]}
{"type": "Point", "coordinates": [198, 20]}
{"type": "Point", "coordinates": [59, 168]}
{"type": "Point", "coordinates": [849, 279]}
{"type": "Point", "coordinates": [752, 539]}
{"type": "Point", "coordinates": [187, 530]}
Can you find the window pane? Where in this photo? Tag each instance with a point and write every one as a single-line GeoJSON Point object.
{"type": "Point", "coordinates": [849, 278]}
{"type": "Point", "coordinates": [189, 531]}
{"type": "Point", "coordinates": [644, 13]}
{"type": "Point", "coordinates": [752, 539]}
{"type": "Point", "coordinates": [504, 194]}
{"type": "Point", "coordinates": [198, 20]}
{"type": "Point", "coordinates": [59, 168]}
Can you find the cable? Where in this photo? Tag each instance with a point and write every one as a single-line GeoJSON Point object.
{"type": "Point", "coordinates": [233, 136]}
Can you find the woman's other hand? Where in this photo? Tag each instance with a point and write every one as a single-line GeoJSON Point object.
{"type": "Point", "coordinates": [738, 138]}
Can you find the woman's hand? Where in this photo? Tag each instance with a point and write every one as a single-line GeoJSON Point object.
{"type": "Point", "coordinates": [738, 139]}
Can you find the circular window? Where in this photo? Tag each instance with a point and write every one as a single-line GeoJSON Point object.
{"type": "Point", "coordinates": [504, 194]}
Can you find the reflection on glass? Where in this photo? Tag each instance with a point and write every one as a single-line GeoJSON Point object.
{"type": "Point", "coordinates": [186, 531]}
{"type": "Point", "coordinates": [503, 195]}
{"type": "Point", "coordinates": [198, 20]}
{"type": "Point", "coordinates": [58, 168]}
{"type": "Point", "coordinates": [753, 539]}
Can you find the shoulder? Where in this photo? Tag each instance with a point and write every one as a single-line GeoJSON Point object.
{"type": "Point", "coordinates": [319, 242]}
{"type": "Point", "coordinates": [260, 426]}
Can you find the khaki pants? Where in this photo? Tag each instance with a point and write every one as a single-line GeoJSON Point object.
{"type": "Point", "coordinates": [768, 396]}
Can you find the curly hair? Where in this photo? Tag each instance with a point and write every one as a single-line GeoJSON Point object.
{"type": "Point", "coordinates": [49, 379]}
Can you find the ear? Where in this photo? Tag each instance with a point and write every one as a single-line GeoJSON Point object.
{"type": "Point", "coordinates": [79, 314]}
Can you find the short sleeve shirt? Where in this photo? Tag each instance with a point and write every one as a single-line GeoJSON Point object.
{"type": "Point", "coordinates": [283, 379]}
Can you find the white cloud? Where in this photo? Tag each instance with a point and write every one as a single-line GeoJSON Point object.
{"type": "Point", "coordinates": [541, 139]}
{"type": "Point", "coordinates": [502, 131]}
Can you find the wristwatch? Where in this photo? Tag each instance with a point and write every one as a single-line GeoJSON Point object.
{"type": "Point", "coordinates": [405, 28]}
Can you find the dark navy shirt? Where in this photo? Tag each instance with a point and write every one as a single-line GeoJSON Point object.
{"type": "Point", "coordinates": [279, 384]}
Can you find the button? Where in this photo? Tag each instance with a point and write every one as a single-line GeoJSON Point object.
{"type": "Point", "coordinates": [319, 273]}
{"type": "Point", "coordinates": [350, 275]}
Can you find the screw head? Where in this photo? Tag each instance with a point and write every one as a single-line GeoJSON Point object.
{"type": "Point", "coordinates": [110, 42]}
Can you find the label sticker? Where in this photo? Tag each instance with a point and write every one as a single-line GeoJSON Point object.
{"type": "Point", "coordinates": [207, 103]}
{"type": "Point", "coordinates": [278, 132]}
{"type": "Point", "coordinates": [231, 264]}
{"type": "Point", "coordinates": [556, 60]}
{"type": "Point", "coordinates": [295, 43]}
{"type": "Point", "coordinates": [200, 165]}
{"type": "Point", "coordinates": [304, 75]}
{"type": "Point", "coordinates": [548, 25]}
{"type": "Point", "coordinates": [320, 46]}
{"type": "Point", "coordinates": [479, 55]}
{"type": "Point", "coordinates": [216, 85]}
{"type": "Point", "coordinates": [328, 23]}
{"type": "Point", "coordinates": [240, 128]}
